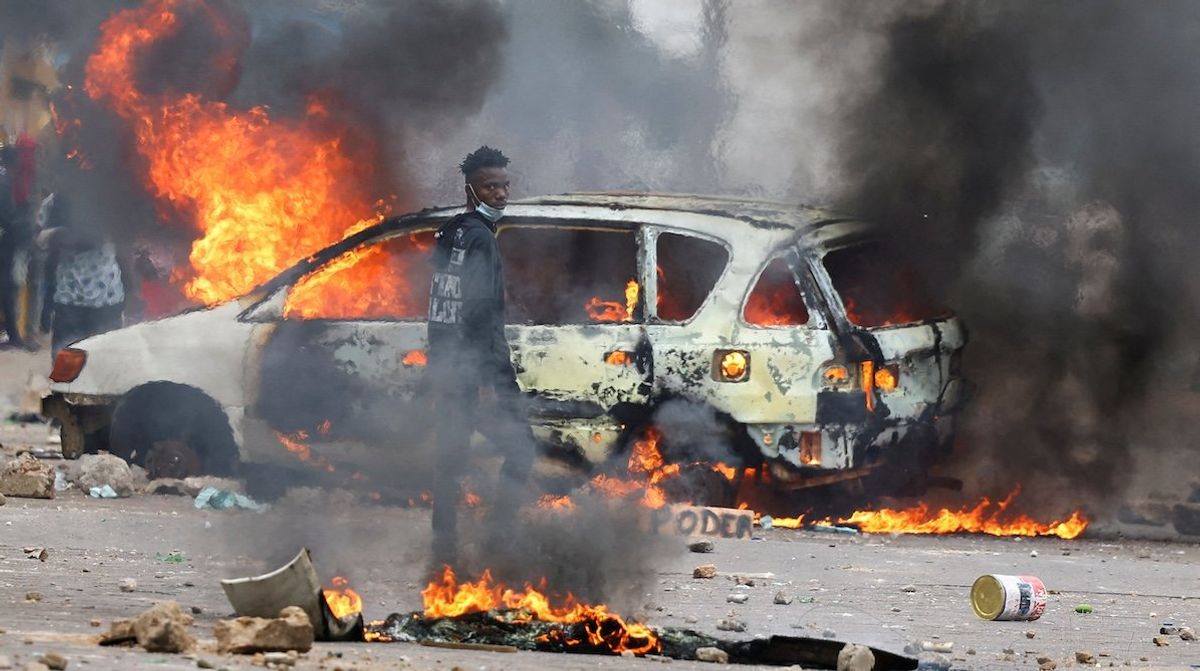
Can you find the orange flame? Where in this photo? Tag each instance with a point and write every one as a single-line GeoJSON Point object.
{"type": "Point", "coordinates": [296, 444]}
{"type": "Point", "coordinates": [984, 518]}
{"type": "Point", "coordinates": [613, 311]}
{"type": "Point", "coordinates": [343, 602]}
{"type": "Point", "coordinates": [552, 502]}
{"type": "Point", "coordinates": [448, 598]}
{"type": "Point", "coordinates": [415, 357]}
{"type": "Point", "coordinates": [261, 192]}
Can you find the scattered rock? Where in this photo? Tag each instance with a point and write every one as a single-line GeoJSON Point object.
{"type": "Point", "coordinates": [782, 598]}
{"type": "Point", "coordinates": [1187, 634]}
{"type": "Point", "coordinates": [1033, 553]}
{"type": "Point", "coordinates": [94, 622]}
{"type": "Point", "coordinates": [196, 610]}
{"type": "Point", "coordinates": [163, 628]}
{"type": "Point", "coordinates": [247, 635]}
{"type": "Point", "coordinates": [1187, 518]}
{"type": "Point", "coordinates": [204, 664]}
{"type": "Point", "coordinates": [98, 470]}
{"type": "Point", "coordinates": [280, 658]}
{"type": "Point", "coordinates": [743, 580]}
{"type": "Point", "coordinates": [26, 477]}
{"type": "Point", "coordinates": [730, 624]}
{"type": "Point", "coordinates": [1161, 641]}
{"type": "Point", "coordinates": [713, 655]}
{"type": "Point", "coordinates": [701, 547]}
{"type": "Point", "coordinates": [40, 554]}
{"type": "Point", "coordinates": [119, 631]}
{"type": "Point", "coordinates": [54, 661]}
{"type": "Point", "coordinates": [5, 663]}
{"type": "Point", "coordinates": [1030, 634]}
{"type": "Point", "coordinates": [690, 619]}
{"type": "Point", "coordinates": [2, 501]}
{"type": "Point", "coordinates": [1084, 657]}
{"type": "Point", "coordinates": [737, 598]}
{"type": "Point", "coordinates": [1046, 664]}
{"type": "Point", "coordinates": [855, 657]}
{"type": "Point", "coordinates": [909, 589]}
{"type": "Point", "coordinates": [970, 651]}
{"type": "Point", "coordinates": [705, 571]}
{"type": "Point", "coordinates": [829, 633]}
{"type": "Point", "coordinates": [36, 666]}
{"type": "Point", "coordinates": [128, 585]}
{"type": "Point", "coordinates": [33, 597]}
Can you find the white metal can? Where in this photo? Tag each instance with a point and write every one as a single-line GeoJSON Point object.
{"type": "Point", "coordinates": [1008, 597]}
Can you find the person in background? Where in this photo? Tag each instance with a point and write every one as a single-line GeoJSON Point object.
{"type": "Point", "coordinates": [93, 281]}
{"type": "Point", "coordinates": [14, 230]}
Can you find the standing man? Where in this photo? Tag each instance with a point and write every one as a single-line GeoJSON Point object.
{"type": "Point", "coordinates": [469, 356]}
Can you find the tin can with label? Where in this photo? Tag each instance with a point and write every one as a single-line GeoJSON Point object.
{"type": "Point", "coordinates": [1008, 597]}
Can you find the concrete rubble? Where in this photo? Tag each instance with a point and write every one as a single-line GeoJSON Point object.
{"type": "Point", "coordinates": [163, 628]}
{"type": "Point", "coordinates": [27, 477]}
{"type": "Point", "coordinates": [292, 630]}
{"type": "Point", "coordinates": [97, 470]}
{"type": "Point", "coordinates": [855, 657]}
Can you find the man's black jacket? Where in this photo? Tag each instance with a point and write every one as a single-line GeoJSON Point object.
{"type": "Point", "coordinates": [466, 302]}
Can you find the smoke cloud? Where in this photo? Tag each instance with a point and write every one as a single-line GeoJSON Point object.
{"type": "Point", "coordinates": [1037, 167]}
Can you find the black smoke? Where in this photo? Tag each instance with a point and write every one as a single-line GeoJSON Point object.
{"type": "Point", "coordinates": [1037, 160]}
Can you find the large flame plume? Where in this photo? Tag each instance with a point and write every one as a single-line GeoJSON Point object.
{"type": "Point", "coordinates": [261, 192]}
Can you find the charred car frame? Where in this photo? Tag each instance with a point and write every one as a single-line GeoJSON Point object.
{"type": "Point", "coordinates": [790, 323]}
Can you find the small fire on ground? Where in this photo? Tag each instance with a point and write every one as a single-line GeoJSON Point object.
{"type": "Point", "coordinates": [343, 602]}
{"type": "Point", "coordinates": [647, 472]}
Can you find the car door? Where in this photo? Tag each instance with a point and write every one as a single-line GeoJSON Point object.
{"type": "Point", "coordinates": [341, 367]}
{"type": "Point", "coordinates": [575, 328]}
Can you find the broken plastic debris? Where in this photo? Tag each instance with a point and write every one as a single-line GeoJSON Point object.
{"type": "Point", "coordinates": [172, 557]}
{"type": "Point", "coordinates": [103, 492]}
{"type": "Point", "coordinates": [1083, 608]}
{"type": "Point", "coordinates": [224, 499]}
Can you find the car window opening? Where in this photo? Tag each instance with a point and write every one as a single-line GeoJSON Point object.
{"type": "Point", "coordinates": [776, 300]}
{"type": "Point", "coordinates": [688, 269]}
{"type": "Point", "coordinates": [388, 279]}
{"type": "Point", "coordinates": [877, 289]}
{"type": "Point", "coordinates": [570, 275]}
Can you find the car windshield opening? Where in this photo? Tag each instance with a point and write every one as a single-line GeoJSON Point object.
{"type": "Point", "coordinates": [688, 269]}
{"type": "Point", "coordinates": [878, 289]}
{"type": "Point", "coordinates": [387, 279]}
{"type": "Point", "coordinates": [570, 275]}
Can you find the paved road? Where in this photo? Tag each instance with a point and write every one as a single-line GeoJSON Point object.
{"type": "Point", "coordinates": [851, 585]}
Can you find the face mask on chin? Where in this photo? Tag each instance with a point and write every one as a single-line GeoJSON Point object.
{"type": "Point", "coordinates": [492, 214]}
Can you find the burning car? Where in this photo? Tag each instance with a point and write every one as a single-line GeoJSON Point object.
{"type": "Point", "coordinates": [811, 342]}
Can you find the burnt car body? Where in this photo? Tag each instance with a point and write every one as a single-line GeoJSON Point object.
{"type": "Point", "coordinates": [788, 322]}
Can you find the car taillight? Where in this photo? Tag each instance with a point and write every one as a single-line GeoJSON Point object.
{"type": "Point", "coordinates": [68, 363]}
{"type": "Point", "coordinates": [731, 365]}
{"type": "Point", "coordinates": [836, 376]}
{"type": "Point", "coordinates": [887, 378]}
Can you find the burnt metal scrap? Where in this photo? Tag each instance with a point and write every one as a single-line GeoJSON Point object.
{"type": "Point", "coordinates": [514, 629]}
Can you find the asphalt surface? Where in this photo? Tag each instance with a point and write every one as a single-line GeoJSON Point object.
{"type": "Point", "coordinates": [879, 590]}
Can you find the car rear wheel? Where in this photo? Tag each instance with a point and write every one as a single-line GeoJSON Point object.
{"type": "Point", "coordinates": [173, 431]}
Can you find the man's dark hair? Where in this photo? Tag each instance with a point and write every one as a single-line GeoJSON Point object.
{"type": "Point", "coordinates": [484, 157]}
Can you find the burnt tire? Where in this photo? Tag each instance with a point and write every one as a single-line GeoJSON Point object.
{"type": "Point", "coordinates": [173, 430]}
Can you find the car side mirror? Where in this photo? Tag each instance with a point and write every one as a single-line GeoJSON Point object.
{"type": "Point", "coordinates": [269, 309]}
